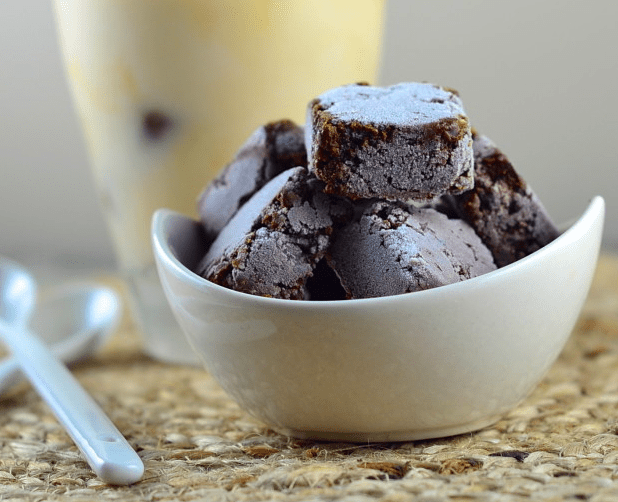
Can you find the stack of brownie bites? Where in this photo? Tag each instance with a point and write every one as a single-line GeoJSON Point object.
{"type": "Point", "coordinates": [384, 191]}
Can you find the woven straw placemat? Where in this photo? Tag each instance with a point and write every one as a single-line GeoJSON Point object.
{"type": "Point", "coordinates": [561, 443]}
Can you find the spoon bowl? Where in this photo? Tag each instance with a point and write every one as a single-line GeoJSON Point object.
{"type": "Point", "coordinates": [77, 319]}
{"type": "Point", "coordinates": [433, 363]}
{"type": "Point", "coordinates": [18, 291]}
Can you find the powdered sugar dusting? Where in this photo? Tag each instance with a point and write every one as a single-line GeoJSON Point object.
{"type": "Point", "coordinates": [400, 104]}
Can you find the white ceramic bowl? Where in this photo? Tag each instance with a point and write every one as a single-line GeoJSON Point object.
{"type": "Point", "coordinates": [433, 363]}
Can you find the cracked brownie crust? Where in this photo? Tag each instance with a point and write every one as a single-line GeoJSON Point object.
{"type": "Point", "coordinates": [272, 245]}
{"type": "Point", "coordinates": [393, 249]}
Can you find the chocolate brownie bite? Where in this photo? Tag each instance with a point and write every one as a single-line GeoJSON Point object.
{"type": "Point", "coordinates": [393, 249]}
{"type": "Point", "coordinates": [274, 242]}
{"type": "Point", "coordinates": [270, 150]}
{"type": "Point", "coordinates": [407, 141]}
{"type": "Point", "coordinates": [503, 210]}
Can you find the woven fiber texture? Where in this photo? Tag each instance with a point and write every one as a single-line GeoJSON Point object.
{"type": "Point", "coordinates": [560, 444]}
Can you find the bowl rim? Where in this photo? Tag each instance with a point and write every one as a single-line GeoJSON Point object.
{"type": "Point", "coordinates": [573, 231]}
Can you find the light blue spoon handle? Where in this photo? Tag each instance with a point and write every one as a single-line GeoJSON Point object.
{"type": "Point", "coordinates": [104, 447]}
{"type": "Point", "coordinates": [10, 372]}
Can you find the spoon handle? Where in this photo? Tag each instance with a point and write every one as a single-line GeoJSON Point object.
{"type": "Point", "coordinates": [105, 448]}
{"type": "Point", "coordinates": [10, 371]}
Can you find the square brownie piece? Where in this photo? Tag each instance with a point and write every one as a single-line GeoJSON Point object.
{"type": "Point", "coordinates": [407, 141]}
{"type": "Point", "coordinates": [270, 150]}
{"type": "Point", "coordinates": [394, 248]}
{"type": "Point", "coordinates": [502, 208]}
{"type": "Point", "coordinates": [273, 243]}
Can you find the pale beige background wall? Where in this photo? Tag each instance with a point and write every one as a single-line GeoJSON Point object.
{"type": "Point", "coordinates": [538, 77]}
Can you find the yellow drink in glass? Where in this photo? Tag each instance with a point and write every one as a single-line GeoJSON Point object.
{"type": "Point", "coordinates": [167, 90]}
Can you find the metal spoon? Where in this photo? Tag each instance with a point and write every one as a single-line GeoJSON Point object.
{"type": "Point", "coordinates": [103, 446]}
{"type": "Point", "coordinates": [75, 321]}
